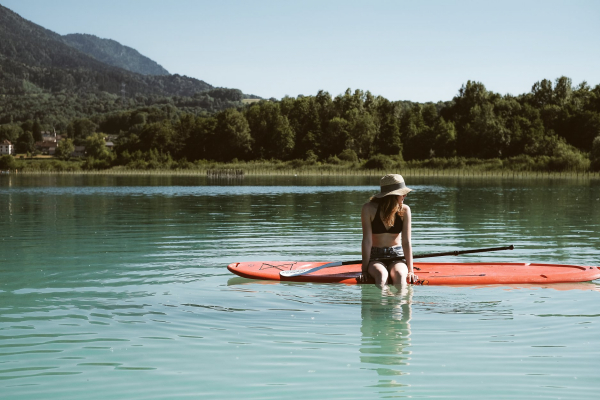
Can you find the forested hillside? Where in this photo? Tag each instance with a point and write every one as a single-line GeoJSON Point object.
{"type": "Point", "coordinates": [113, 53]}
{"type": "Point", "coordinates": [45, 80]}
{"type": "Point", "coordinates": [36, 60]}
{"type": "Point", "coordinates": [57, 110]}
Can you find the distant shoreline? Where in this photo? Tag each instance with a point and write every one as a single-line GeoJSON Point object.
{"type": "Point", "coordinates": [521, 166]}
{"type": "Point", "coordinates": [240, 173]}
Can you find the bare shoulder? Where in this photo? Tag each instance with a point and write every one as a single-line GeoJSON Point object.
{"type": "Point", "coordinates": [405, 210]}
{"type": "Point", "coordinates": [369, 208]}
{"type": "Point", "coordinates": [366, 216]}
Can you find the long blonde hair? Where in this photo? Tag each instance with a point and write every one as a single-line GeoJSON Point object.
{"type": "Point", "coordinates": [389, 207]}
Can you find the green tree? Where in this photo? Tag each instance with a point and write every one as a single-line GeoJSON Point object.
{"type": "Point", "coordinates": [389, 141]}
{"type": "Point", "coordinates": [139, 118]}
{"type": "Point", "coordinates": [159, 136]}
{"type": "Point", "coordinates": [542, 93]}
{"type": "Point", "coordinates": [362, 133]}
{"type": "Point", "coordinates": [348, 155]}
{"type": "Point", "coordinates": [595, 154]}
{"type": "Point", "coordinates": [95, 146]}
{"type": "Point", "coordinates": [282, 136]}
{"type": "Point", "coordinates": [7, 163]}
{"type": "Point", "coordinates": [479, 118]}
{"type": "Point", "coordinates": [429, 114]}
{"type": "Point", "coordinates": [371, 103]}
{"type": "Point", "coordinates": [273, 136]}
{"type": "Point", "coordinates": [232, 134]}
{"type": "Point", "coordinates": [544, 145]}
{"type": "Point", "coordinates": [226, 94]}
{"type": "Point", "coordinates": [64, 149]}
{"type": "Point", "coordinates": [380, 161]}
{"type": "Point", "coordinates": [304, 118]}
{"type": "Point", "coordinates": [417, 137]}
{"type": "Point", "coordinates": [201, 143]}
{"type": "Point", "coordinates": [182, 130]}
{"type": "Point", "coordinates": [10, 132]}
{"type": "Point", "coordinates": [562, 90]}
{"type": "Point", "coordinates": [335, 137]}
{"type": "Point", "coordinates": [592, 102]}
{"type": "Point", "coordinates": [445, 139]}
{"type": "Point", "coordinates": [343, 104]}
{"type": "Point", "coordinates": [25, 143]}
{"type": "Point", "coordinates": [490, 136]}
{"type": "Point", "coordinates": [81, 128]}
{"type": "Point", "coordinates": [580, 128]}
{"type": "Point", "coordinates": [27, 125]}
{"type": "Point", "coordinates": [526, 129]}
{"type": "Point", "coordinates": [36, 130]}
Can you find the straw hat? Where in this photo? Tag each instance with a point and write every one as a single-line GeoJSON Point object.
{"type": "Point", "coordinates": [392, 184]}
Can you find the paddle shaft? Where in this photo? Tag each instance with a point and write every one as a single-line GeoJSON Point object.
{"type": "Point", "coordinates": [298, 272]}
{"type": "Point", "coordinates": [448, 253]}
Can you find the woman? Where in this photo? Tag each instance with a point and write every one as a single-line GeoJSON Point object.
{"type": "Point", "coordinates": [386, 232]}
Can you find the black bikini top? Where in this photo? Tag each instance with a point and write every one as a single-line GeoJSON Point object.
{"type": "Point", "coordinates": [377, 225]}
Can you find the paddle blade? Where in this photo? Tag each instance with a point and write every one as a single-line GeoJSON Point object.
{"type": "Point", "coordinates": [295, 272]}
{"type": "Point", "coordinates": [298, 272]}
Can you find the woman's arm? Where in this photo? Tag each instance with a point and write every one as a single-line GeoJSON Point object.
{"type": "Point", "coordinates": [367, 240]}
{"type": "Point", "coordinates": [407, 244]}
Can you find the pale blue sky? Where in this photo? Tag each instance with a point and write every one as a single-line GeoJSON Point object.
{"type": "Point", "coordinates": [402, 50]}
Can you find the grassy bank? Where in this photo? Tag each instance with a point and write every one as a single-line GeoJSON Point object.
{"type": "Point", "coordinates": [227, 172]}
{"type": "Point", "coordinates": [461, 167]}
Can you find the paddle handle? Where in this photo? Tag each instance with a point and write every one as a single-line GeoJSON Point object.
{"type": "Point", "coordinates": [459, 252]}
{"type": "Point", "coordinates": [448, 253]}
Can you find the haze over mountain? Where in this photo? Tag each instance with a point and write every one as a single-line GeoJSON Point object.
{"type": "Point", "coordinates": [114, 53]}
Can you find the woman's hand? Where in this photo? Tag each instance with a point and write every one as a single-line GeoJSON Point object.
{"type": "Point", "coordinates": [363, 277]}
{"type": "Point", "coordinates": [412, 278]}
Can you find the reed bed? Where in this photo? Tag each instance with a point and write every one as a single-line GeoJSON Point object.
{"type": "Point", "coordinates": [240, 173]}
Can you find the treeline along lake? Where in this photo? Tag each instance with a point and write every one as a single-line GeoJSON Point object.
{"type": "Point", "coordinates": [556, 126]}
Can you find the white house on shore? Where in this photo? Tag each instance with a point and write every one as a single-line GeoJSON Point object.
{"type": "Point", "coordinates": [6, 147]}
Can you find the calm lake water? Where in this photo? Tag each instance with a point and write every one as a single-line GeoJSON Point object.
{"type": "Point", "coordinates": [117, 288]}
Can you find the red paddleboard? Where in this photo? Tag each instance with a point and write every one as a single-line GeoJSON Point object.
{"type": "Point", "coordinates": [428, 273]}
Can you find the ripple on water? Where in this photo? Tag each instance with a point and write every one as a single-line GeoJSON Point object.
{"type": "Point", "coordinates": [119, 289]}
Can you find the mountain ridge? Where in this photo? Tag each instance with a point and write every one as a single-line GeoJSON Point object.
{"type": "Point", "coordinates": [113, 53]}
{"type": "Point", "coordinates": [34, 59]}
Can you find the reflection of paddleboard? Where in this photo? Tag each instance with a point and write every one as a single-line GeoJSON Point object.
{"type": "Point", "coordinates": [428, 273]}
{"type": "Point", "coordinates": [586, 286]}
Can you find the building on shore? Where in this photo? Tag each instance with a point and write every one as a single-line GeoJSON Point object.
{"type": "Point", "coordinates": [48, 148]}
{"type": "Point", "coordinates": [6, 148]}
{"type": "Point", "coordinates": [50, 136]}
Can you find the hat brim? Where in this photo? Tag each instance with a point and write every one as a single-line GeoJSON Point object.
{"type": "Point", "coordinates": [397, 192]}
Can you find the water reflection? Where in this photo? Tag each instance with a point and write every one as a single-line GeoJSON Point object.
{"type": "Point", "coordinates": [586, 286]}
{"type": "Point", "coordinates": [385, 330]}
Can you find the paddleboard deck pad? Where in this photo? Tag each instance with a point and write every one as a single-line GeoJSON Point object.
{"type": "Point", "coordinates": [428, 273]}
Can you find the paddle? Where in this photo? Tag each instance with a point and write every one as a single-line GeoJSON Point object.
{"type": "Point", "coordinates": [298, 272]}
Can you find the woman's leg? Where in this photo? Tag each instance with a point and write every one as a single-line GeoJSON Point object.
{"type": "Point", "coordinates": [399, 273]}
{"type": "Point", "coordinates": [379, 272]}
